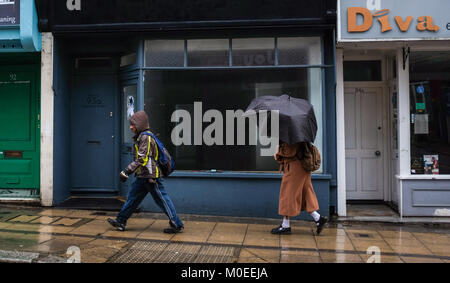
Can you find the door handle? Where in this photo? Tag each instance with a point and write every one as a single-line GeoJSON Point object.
{"type": "Point", "coordinates": [96, 142]}
{"type": "Point", "coordinates": [377, 153]}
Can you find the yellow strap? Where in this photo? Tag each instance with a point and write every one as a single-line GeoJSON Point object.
{"type": "Point", "coordinates": [157, 153]}
{"type": "Point", "coordinates": [156, 159]}
{"type": "Point", "coordinates": [148, 152]}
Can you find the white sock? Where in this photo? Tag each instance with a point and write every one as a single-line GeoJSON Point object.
{"type": "Point", "coordinates": [316, 216]}
{"type": "Point", "coordinates": [285, 223]}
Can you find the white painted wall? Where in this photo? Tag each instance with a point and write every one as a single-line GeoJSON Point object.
{"type": "Point", "coordinates": [404, 120]}
{"type": "Point", "coordinates": [47, 96]}
{"type": "Point", "coordinates": [404, 142]}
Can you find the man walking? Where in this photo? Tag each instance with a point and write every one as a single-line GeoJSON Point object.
{"type": "Point", "coordinates": [148, 178]}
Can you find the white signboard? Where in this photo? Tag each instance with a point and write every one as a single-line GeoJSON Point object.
{"type": "Point", "coordinates": [378, 20]}
{"type": "Point", "coordinates": [9, 12]}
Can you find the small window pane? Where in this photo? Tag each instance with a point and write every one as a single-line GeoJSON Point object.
{"type": "Point", "coordinates": [299, 51]}
{"type": "Point", "coordinates": [164, 53]}
{"type": "Point", "coordinates": [128, 60]}
{"type": "Point", "coordinates": [208, 52]}
{"type": "Point", "coordinates": [362, 71]}
{"type": "Point", "coordinates": [254, 52]}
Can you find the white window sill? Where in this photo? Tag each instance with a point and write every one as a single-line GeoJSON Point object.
{"type": "Point", "coordinates": [423, 177]}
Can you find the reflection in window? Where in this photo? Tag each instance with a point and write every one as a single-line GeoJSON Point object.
{"type": "Point", "coordinates": [170, 90]}
{"type": "Point", "coordinates": [208, 52]}
{"type": "Point", "coordinates": [299, 51]}
{"type": "Point", "coordinates": [254, 52]}
{"type": "Point", "coordinates": [244, 52]}
{"type": "Point", "coordinates": [164, 53]}
{"type": "Point", "coordinates": [430, 112]}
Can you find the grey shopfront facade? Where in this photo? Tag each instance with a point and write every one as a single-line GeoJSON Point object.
{"type": "Point", "coordinates": [172, 56]}
{"type": "Point", "coordinates": [410, 40]}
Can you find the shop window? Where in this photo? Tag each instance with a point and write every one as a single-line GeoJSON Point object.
{"type": "Point", "coordinates": [254, 52]}
{"type": "Point", "coordinates": [167, 91]}
{"type": "Point", "coordinates": [208, 52]}
{"type": "Point", "coordinates": [299, 51]}
{"type": "Point", "coordinates": [362, 71]}
{"type": "Point", "coordinates": [164, 53]}
{"type": "Point", "coordinates": [430, 112]}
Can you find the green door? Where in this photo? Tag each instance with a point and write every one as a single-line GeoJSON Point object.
{"type": "Point", "coordinates": [19, 131]}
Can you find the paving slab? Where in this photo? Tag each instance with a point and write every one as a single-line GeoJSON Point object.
{"type": "Point", "coordinates": [46, 235]}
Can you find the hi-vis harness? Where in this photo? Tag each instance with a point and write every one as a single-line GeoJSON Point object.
{"type": "Point", "coordinates": [149, 166]}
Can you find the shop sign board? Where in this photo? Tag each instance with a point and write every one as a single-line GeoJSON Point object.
{"type": "Point", "coordinates": [139, 15]}
{"type": "Point", "coordinates": [9, 12]}
{"type": "Point", "coordinates": [387, 20]}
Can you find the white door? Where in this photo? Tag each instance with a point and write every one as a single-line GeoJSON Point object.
{"type": "Point", "coordinates": [364, 143]}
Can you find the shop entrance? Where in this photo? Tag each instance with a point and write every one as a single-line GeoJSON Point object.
{"type": "Point", "coordinates": [364, 132]}
{"type": "Point", "coordinates": [94, 123]}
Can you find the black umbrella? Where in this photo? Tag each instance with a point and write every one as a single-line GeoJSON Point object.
{"type": "Point", "coordinates": [297, 119]}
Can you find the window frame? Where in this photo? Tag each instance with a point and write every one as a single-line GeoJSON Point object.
{"type": "Point", "coordinates": [323, 67]}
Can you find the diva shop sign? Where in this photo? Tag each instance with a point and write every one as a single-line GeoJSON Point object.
{"type": "Point", "coordinates": [378, 20]}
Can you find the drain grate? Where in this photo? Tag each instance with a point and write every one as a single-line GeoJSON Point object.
{"type": "Point", "coordinates": [161, 252]}
{"type": "Point", "coordinates": [179, 253]}
{"type": "Point", "coordinates": [215, 254]}
{"type": "Point", "coordinates": [142, 252]}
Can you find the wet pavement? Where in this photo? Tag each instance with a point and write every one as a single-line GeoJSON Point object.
{"type": "Point", "coordinates": [29, 234]}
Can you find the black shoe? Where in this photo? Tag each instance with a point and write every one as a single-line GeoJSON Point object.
{"type": "Point", "coordinates": [119, 226]}
{"type": "Point", "coordinates": [281, 230]}
{"type": "Point", "coordinates": [320, 224]}
{"type": "Point", "coordinates": [173, 229]}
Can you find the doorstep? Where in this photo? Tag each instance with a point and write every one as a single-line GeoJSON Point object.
{"type": "Point", "coordinates": [20, 195]}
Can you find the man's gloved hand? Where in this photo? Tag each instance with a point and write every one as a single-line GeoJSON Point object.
{"type": "Point", "coordinates": [124, 175]}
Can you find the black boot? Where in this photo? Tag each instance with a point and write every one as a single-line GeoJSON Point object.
{"type": "Point", "coordinates": [320, 224]}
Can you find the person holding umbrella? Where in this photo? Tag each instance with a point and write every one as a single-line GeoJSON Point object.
{"type": "Point", "coordinates": [297, 129]}
{"type": "Point", "coordinates": [296, 192]}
